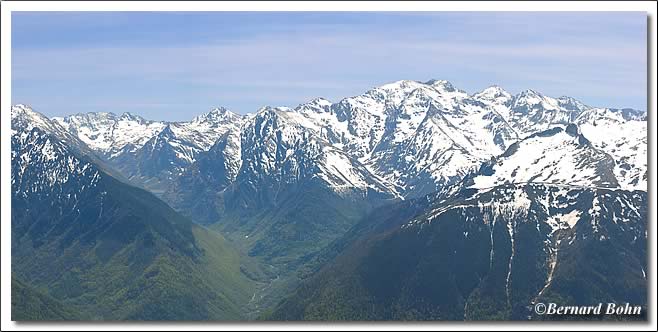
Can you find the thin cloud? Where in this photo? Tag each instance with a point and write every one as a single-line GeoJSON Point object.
{"type": "Point", "coordinates": [342, 56]}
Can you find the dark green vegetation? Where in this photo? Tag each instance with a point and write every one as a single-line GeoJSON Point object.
{"type": "Point", "coordinates": [286, 236]}
{"type": "Point", "coordinates": [28, 303]}
{"type": "Point", "coordinates": [302, 220]}
{"type": "Point", "coordinates": [480, 263]}
{"type": "Point", "coordinates": [109, 250]}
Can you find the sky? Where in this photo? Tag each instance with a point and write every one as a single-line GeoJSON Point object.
{"type": "Point", "coordinates": [175, 65]}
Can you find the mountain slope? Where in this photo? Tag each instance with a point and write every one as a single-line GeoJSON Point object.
{"type": "Point", "coordinates": [195, 192]}
{"type": "Point", "coordinates": [106, 248]}
{"type": "Point", "coordinates": [486, 255]}
{"type": "Point", "coordinates": [29, 304]}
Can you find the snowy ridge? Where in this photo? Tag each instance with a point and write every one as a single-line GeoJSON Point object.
{"type": "Point", "coordinates": [43, 163]}
{"type": "Point", "coordinates": [204, 130]}
{"type": "Point", "coordinates": [25, 119]}
{"type": "Point", "coordinates": [531, 111]}
{"type": "Point", "coordinates": [406, 138]}
{"type": "Point", "coordinates": [108, 133]}
{"type": "Point", "coordinates": [553, 156]}
{"type": "Point", "coordinates": [150, 153]}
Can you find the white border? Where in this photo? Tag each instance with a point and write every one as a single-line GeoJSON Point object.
{"type": "Point", "coordinates": [5, 141]}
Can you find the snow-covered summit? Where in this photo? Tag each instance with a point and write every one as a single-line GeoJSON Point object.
{"type": "Point", "coordinates": [23, 116]}
{"type": "Point", "coordinates": [217, 115]}
{"type": "Point", "coordinates": [442, 85]}
{"type": "Point", "coordinates": [493, 94]}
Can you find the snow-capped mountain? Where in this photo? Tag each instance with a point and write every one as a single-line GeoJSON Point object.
{"type": "Point", "coordinates": [204, 130]}
{"type": "Point", "coordinates": [411, 137]}
{"type": "Point", "coordinates": [493, 95]}
{"type": "Point", "coordinates": [111, 134]}
{"type": "Point", "coordinates": [280, 144]}
{"type": "Point", "coordinates": [150, 153]}
{"type": "Point", "coordinates": [24, 119]}
{"type": "Point", "coordinates": [277, 151]}
{"type": "Point", "coordinates": [420, 137]}
{"type": "Point", "coordinates": [402, 130]}
{"type": "Point", "coordinates": [43, 164]}
{"type": "Point", "coordinates": [531, 111]}
{"type": "Point", "coordinates": [366, 120]}
{"type": "Point", "coordinates": [623, 135]}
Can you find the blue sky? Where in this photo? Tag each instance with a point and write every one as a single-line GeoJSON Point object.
{"type": "Point", "coordinates": [174, 65]}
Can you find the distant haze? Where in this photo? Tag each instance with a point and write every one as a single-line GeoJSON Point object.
{"type": "Point", "coordinates": [175, 65]}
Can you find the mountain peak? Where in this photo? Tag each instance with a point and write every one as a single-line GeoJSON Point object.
{"type": "Point", "coordinates": [529, 93]}
{"type": "Point", "coordinates": [531, 98]}
{"type": "Point", "coordinates": [572, 104]}
{"type": "Point", "coordinates": [25, 111]}
{"type": "Point", "coordinates": [567, 99]}
{"type": "Point", "coordinates": [90, 117]}
{"type": "Point", "coordinates": [320, 101]}
{"type": "Point", "coordinates": [273, 110]}
{"type": "Point", "coordinates": [20, 110]}
{"type": "Point", "coordinates": [494, 88]}
{"type": "Point", "coordinates": [130, 116]}
{"type": "Point", "coordinates": [215, 114]}
{"type": "Point", "coordinates": [218, 111]}
{"type": "Point", "coordinates": [24, 116]}
{"type": "Point", "coordinates": [442, 84]}
{"type": "Point", "coordinates": [167, 132]}
{"type": "Point", "coordinates": [318, 105]}
{"type": "Point", "coordinates": [395, 87]}
{"type": "Point", "coordinates": [493, 92]}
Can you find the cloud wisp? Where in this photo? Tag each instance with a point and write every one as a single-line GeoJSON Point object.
{"type": "Point", "coordinates": [289, 63]}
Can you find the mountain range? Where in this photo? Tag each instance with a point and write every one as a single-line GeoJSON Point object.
{"type": "Point", "coordinates": [413, 200]}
